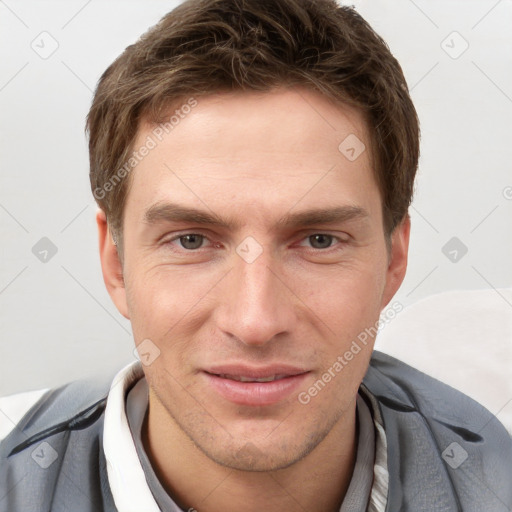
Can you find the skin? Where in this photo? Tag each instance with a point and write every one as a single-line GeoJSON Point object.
{"type": "Point", "coordinates": [253, 158]}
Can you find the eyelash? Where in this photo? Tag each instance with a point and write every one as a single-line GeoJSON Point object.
{"type": "Point", "coordinates": [335, 238]}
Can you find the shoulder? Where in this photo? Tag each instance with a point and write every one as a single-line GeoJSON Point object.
{"type": "Point", "coordinates": [439, 439]}
{"type": "Point", "coordinates": [401, 385]}
{"type": "Point", "coordinates": [54, 444]}
{"type": "Point", "coordinates": [72, 406]}
{"type": "Point", "coordinates": [14, 407]}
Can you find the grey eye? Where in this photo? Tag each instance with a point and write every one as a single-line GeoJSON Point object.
{"type": "Point", "coordinates": [321, 241]}
{"type": "Point", "coordinates": [192, 241]}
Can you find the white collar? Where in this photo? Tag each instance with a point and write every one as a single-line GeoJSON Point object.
{"type": "Point", "coordinates": [125, 474]}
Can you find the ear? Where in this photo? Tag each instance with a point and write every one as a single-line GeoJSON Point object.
{"type": "Point", "coordinates": [397, 261]}
{"type": "Point", "coordinates": [111, 265]}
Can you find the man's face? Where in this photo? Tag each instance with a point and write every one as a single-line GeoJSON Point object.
{"type": "Point", "coordinates": [279, 288]}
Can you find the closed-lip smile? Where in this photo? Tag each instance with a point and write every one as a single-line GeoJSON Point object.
{"type": "Point", "coordinates": [254, 386]}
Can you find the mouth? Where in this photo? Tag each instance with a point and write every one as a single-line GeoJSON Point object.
{"type": "Point", "coordinates": [242, 385]}
{"type": "Point", "coordinates": [243, 378]}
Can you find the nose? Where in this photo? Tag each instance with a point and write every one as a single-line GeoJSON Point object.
{"type": "Point", "coordinates": [256, 304]}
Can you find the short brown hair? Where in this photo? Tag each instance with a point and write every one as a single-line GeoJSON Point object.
{"type": "Point", "coordinates": [209, 46]}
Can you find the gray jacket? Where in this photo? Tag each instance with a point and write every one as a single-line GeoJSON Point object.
{"type": "Point", "coordinates": [445, 452]}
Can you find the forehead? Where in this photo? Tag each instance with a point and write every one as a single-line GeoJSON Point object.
{"type": "Point", "coordinates": [276, 120]}
{"type": "Point", "coordinates": [278, 147]}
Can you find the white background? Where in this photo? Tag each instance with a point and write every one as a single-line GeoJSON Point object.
{"type": "Point", "coordinates": [57, 322]}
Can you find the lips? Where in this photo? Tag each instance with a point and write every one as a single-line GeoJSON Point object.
{"type": "Point", "coordinates": [251, 386]}
{"type": "Point", "coordinates": [244, 378]}
{"type": "Point", "coordinates": [255, 372]}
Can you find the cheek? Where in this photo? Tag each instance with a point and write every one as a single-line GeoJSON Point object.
{"type": "Point", "coordinates": [347, 300]}
{"type": "Point", "coordinates": [157, 308]}
{"type": "Point", "coordinates": [164, 303]}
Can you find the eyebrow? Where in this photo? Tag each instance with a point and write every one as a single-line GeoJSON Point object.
{"type": "Point", "coordinates": [173, 212]}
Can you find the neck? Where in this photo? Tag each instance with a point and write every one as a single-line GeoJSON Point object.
{"type": "Point", "coordinates": [317, 483]}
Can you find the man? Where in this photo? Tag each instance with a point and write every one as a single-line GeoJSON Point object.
{"type": "Point", "coordinates": [254, 162]}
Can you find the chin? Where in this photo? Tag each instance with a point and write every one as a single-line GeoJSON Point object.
{"type": "Point", "coordinates": [267, 454]}
{"type": "Point", "coordinates": [250, 458]}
